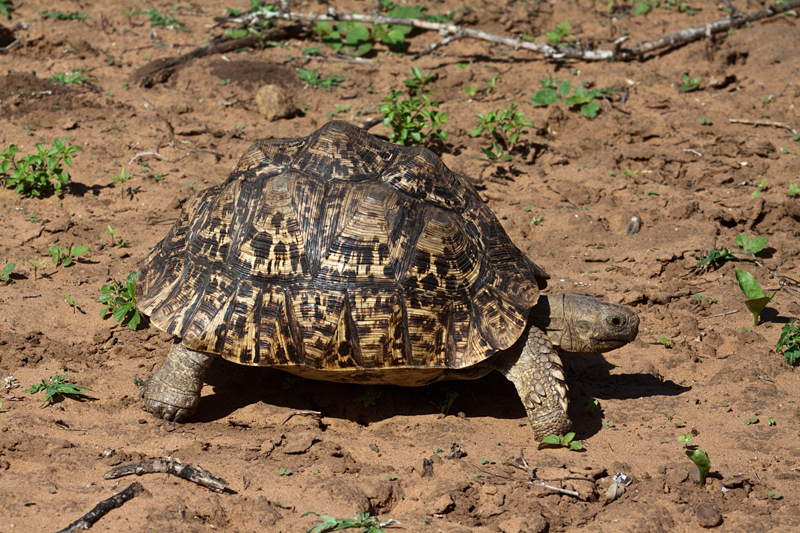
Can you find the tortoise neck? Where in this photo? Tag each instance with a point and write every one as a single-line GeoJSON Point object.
{"type": "Point", "coordinates": [549, 316]}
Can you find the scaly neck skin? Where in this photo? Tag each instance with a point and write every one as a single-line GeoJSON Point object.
{"type": "Point", "coordinates": [548, 316]}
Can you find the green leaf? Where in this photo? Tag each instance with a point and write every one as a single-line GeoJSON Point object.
{"type": "Point", "coordinates": [700, 458]}
{"type": "Point", "coordinates": [590, 109]}
{"type": "Point", "coordinates": [756, 301]}
{"type": "Point", "coordinates": [551, 439]}
{"type": "Point", "coordinates": [545, 97]}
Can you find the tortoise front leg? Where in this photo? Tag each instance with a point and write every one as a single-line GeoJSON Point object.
{"type": "Point", "coordinates": [173, 392]}
{"type": "Point", "coordinates": [538, 376]}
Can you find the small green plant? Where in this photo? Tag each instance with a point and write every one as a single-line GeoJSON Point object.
{"type": "Point", "coordinates": [761, 187]}
{"type": "Point", "coordinates": [554, 90]}
{"type": "Point", "coordinates": [592, 405]}
{"type": "Point", "coordinates": [708, 299]}
{"type": "Point", "coordinates": [789, 342]}
{"type": "Point", "coordinates": [76, 76]}
{"type": "Point", "coordinates": [6, 8]}
{"type": "Point", "coordinates": [685, 439]}
{"type": "Point", "coordinates": [120, 301]}
{"type": "Point", "coordinates": [370, 397]}
{"type": "Point", "coordinates": [391, 478]}
{"type": "Point", "coordinates": [537, 220]}
{"type": "Point", "coordinates": [794, 190]}
{"type": "Point", "coordinates": [410, 115]}
{"type": "Point", "coordinates": [121, 178]}
{"type": "Point", "coordinates": [680, 424]}
{"type": "Point", "coordinates": [35, 266]}
{"type": "Point", "coordinates": [756, 301]}
{"type": "Point", "coordinates": [71, 303]}
{"type": "Point", "coordinates": [57, 388]}
{"type": "Point", "coordinates": [66, 256]}
{"type": "Point", "coordinates": [688, 84]}
{"type": "Point", "coordinates": [705, 122]}
{"type": "Point", "coordinates": [367, 523]}
{"type": "Point", "coordinates": [504, 127]}
{"type": "Point", "coordinates": [33, 218]}
{"type": "Point", "coordinates": [437, 451]}
{"type": "Point", "coordinates": [775, 495]}
{"type": "Point", "coordinates": [40, 173]}
{"type": "Point", "coordinates": [159, 20]}
{"type": "Point", "coordinates": [6, 272]}
{"type": "Point", "coordinates": [700, 458]}
{"type": "Point", "coordinates": [485, 460]}
{"type": "Point", "coordinates": [60, 15]}
{"type": "Point", "coordinates": [284, 472]}
{"type": "Point", "coordinates": [563, 440]}
{"type": "Point", "coordinates": [116, 243]}
{"type": "Point", "coordinates": [750, 421]}
{"type": "Point", "coordinates": [665, 342]}
{"type": "Point", "coordinates": [449, 399]}
{"type": "Point", "coordinates": [238, 131]}
{"type": "Point", "coordinates": [561, 33]}
{"type": "Point", "coordinates": [312, 79]}
{"type": "Point", "coordinates": [770, 421]}
{"type": "Point", "coordinates": [750, 246]}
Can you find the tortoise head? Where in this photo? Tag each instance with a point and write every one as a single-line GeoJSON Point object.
{"type": "Point", "coordinates": [583, 324]}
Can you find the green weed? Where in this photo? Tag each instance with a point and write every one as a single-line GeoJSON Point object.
{"type": "Point", "coordinates": [6, 8]}
{"type": "Point", "coordinates": [66, 256]}
{"type": "Point", "coordinates": [114, 242]}
{"type": "Point", "coordinates": [35, 265]}
{"type": "Point", "coordinates": [311, 79]}
{"type": "Point", "coordinates": [164, 21]}
{"type": "Point", "coordinates": [71, 303]}
{"type": "Point", "coordinates": [794, 190]}
{"type": "Point", "coordinates": [750, 246]}
{"type": "Point", "coordinates": [563, 440]}
{"type": "Point", "coordinates": [756, 301]}
{"type": "Point", "coordinates": [665, 342]}
{"type": "Point", "coordinates": [284, 472]}
{"type": "Point", "coordinates": [39, 173]}
{"type": "Point", "coordinates": [761, 187]}
{"type": "Point", "coordinates": [370, 397]}
{"type": "Point", "coordinates": [788, 343]}
{"type": "Point", "coordinates": [700, 458]}
{"type": "Point", "coordinates": [366, 523]}
{"type": "Point", "coordinates": [685, 439]}
{"type": "Point", "coordinates": [121, 178]}
{"type": "Point", "coordinates": [56, 389]}
{"type": "Point", "coordinates": [449, 399]}
{"type": "Point", "coordinates": [120, 301]}
{"type": "Point", "coordinates": [504, 127]}
{"type": "Point", "coordinates": [688, 85]}
{"type": "Point", "coordinates": [60, 15]}
{"type": "Point", "coordinates": [554, 91]}
{"type": "Point", "coordinates": [775, 495]}
{"type": "Point", "coordinates": [6, 272]}
{"type": "Point", "coordinates": [561, 33]}
{"type": "Point", "coordinates": [410, 115]}
{"type": "Point", "coordinates": [76, 76]}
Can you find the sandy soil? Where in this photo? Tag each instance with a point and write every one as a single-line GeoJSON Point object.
{"type": "Point", "coordinates": [672, 158]}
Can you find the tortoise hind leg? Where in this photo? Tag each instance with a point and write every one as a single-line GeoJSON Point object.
{"type": "Point", "coordinates": [173, 392]}
{"type": "Point", "coordinates": [538, 377]}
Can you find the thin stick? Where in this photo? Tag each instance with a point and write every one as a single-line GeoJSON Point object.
{"type": "Point", "coordinates": [762, 123]}
{"type": "Point", "coordinates": [339, 59]}
{"type": "Point", "coordinates": [195, 474]}
{"type": "Point", "coordinates": [722, 314]}
{"type": "Point", "coordinates": [707, 30]}
{"type": "Point", "coordinates": [144, 154]}
{"type": "Point", "coordinates": [162, 117]}
{"type": "Point", "coordinates": [444, 42]}
{"type": "Point", "coordinates": [293, 413]}
{"type": "Point", "coordinates": [103, 508]}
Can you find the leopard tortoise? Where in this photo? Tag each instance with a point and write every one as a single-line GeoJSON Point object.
{"type": "Point", "coordinates": [342, 257]}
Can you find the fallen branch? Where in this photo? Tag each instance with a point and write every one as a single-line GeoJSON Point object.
{"type": "Point", "coordinates": [160, 71]}
{"type": "Point", "coordinates": [762, 123]}
{"type": "Point", "coordinates": [195, 474]}
{"type": "Point", "coordinates": [103, 508]}
{"type": "Point", "coordinates": [707, 30]}
{"type": "Point", "coordinates": [550, 51]}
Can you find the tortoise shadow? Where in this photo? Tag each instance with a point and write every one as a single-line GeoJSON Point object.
{"type": "Point", "coordinates": [236, 386]}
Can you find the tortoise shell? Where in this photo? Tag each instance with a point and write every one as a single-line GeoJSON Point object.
{"type": "Point", "coordinates": [340, 252]}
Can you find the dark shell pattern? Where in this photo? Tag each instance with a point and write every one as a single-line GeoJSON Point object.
{"type": "Point", "coordinates": [340, 252]}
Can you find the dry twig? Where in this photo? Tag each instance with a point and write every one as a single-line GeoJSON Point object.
{"type": "Point", "coordinates": [103, 508]}
{"type": "Point", "coordinates": [195, 474]}
{"type": "Point", "coordinates": [762, 123]}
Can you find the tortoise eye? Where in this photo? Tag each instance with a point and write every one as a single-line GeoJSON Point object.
{"type": "Point", "coordinates": [616, 321]}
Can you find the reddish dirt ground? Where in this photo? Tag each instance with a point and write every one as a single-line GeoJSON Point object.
{"type": "Point", "coordinates": [672, 158]}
